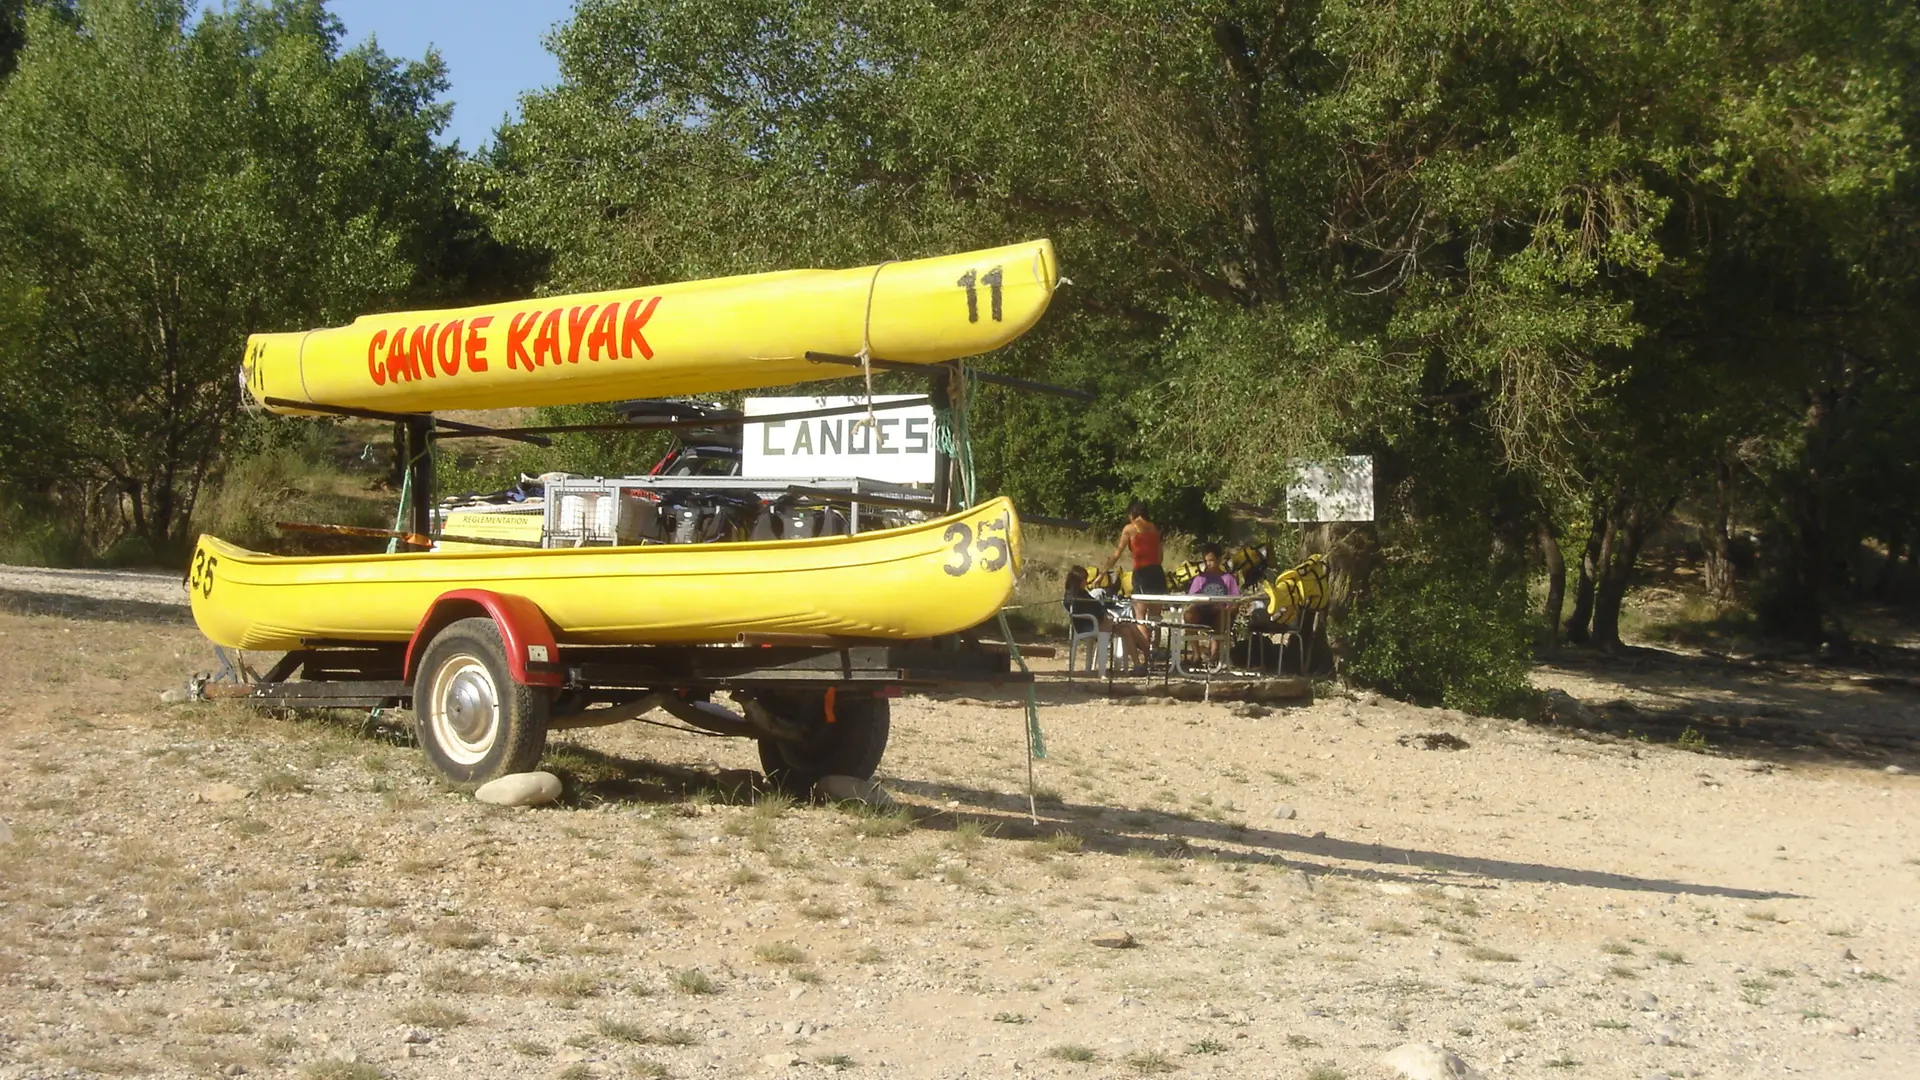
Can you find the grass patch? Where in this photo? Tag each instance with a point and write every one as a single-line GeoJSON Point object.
{"type": "Point", "coordinates": [1326, 1072]}
{"type": "Point", "coordinates": [870, 823]}
{"type": "Point", "coordinates": [694, 981]}
{"type": "Point", "coordinates": [431, 1014]}
{"type": "Point", "coordinates": [1207, 1046]}
{"type": "Point", "coordinates": [621, 1031]}
{"type": "Point", "coordinates": [1492, 956]}
{"type": "Point", "coordinates": [1012, 1018]}
{"type": "Point", "coordinates": [821, 910]}
{"type": "Point", "coordinates": [967, 836]}
{"type": "Point", "coordinates": [1149, 1063]}
{"type": "Point", "coordinates": [1616, 949]}
{"type": "Point", "coordinates": [1073, 1052]}
{"type": "Point", "coordinates": [779, 952]}
{"type": "Point", "coordinates": [568, 987]}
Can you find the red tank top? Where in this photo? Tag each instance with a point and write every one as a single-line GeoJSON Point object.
{"type": "Point", "coordinates": [1145, 545]}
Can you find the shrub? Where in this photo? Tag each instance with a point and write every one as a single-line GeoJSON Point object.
{"type": "Point", "coordinates": [1442, 628]}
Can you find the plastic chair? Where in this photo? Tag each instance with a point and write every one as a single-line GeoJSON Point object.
{"type": "Point", "coordinates": [1086, 629]}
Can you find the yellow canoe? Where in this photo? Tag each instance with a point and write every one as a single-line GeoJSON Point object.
{"type": "Point", "coordinates": [939, 577]}
{"type": "Point", "coordinates": [694, 337]}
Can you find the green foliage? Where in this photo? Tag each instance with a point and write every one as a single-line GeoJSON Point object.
{"type": "Point", "coordinates": [167, 188]}
{"type": "Point", "coordinates": [1440, 627]}
{"type": "Point", "coordinates": [1597, 251]}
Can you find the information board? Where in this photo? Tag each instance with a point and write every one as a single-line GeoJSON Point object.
{"type": "Point", "coordinates": [1336, 489]}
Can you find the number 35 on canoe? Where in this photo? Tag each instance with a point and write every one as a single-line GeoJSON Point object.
{"type": "Point", "coordinates": [719, 334]}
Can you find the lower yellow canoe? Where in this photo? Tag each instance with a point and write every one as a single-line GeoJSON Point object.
{"type": "Point", "coordinates": [939, 577]}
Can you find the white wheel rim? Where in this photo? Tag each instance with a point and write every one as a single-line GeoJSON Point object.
{"type": "Point", "coordinates": [464, 710]}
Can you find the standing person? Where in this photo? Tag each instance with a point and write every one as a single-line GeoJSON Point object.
{"type": "Point", "coordinates": [1140, 538]}
{"type": "Point", "coordinates": [1212, 580]}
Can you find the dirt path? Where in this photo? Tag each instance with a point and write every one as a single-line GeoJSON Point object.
{"type": "Point", "coordinates": [197, 889]}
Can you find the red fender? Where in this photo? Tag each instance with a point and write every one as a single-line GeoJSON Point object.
{"type": "Point", "coordinates": [533, 656]}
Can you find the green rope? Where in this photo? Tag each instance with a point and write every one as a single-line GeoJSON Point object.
{"type": "Point", "coordinates": [400, 514]}
{"type": "Point", "coordinates": [406, 491]}
{"type": "Point", "coordinates": [959, 442]}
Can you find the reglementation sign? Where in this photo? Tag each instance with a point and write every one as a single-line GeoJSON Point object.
{"type": "Point", "coordinates": [894, 445]}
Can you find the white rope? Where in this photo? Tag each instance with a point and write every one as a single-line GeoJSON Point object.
{"type": "Point", "coordinates": [865, 355]}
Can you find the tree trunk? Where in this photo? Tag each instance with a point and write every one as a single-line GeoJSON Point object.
{"type": "Point", "coordinates": [1883, 582]}
{"type": "Point", "coordinates": [1556, 584]}
{"type": "Point", "coordinates": [1259, 242]}
{"type": "Point", "coordinates": [1580, 623]}
{"type": "Point", "coordinates": [1718, 540]}
{"type": "Point", "coordinates": [1616, 570]}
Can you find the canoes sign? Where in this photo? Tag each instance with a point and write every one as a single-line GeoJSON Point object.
{"type": "Point", "coordinates": [895, 445]}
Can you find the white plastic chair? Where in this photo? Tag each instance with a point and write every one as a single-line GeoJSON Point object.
{"type": "Point", "coordinates": [1100, 645]}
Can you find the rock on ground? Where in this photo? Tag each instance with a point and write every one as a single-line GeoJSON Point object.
{"type": "Point", "coordinates": [854, 789]}
{"type": "Point", "coordinates": [1426, 1061]}
{"type": "Point", "coordinates": [520, 789]}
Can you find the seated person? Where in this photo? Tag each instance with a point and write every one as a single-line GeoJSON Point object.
{"type": "Point", "coordinates": [1082, 606]}
{"type": "Point", "coordinates": [1212, 580]}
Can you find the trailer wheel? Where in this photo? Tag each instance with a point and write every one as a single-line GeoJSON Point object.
{"type": "Point", "coordinates": [851, 745]}
{"type": "Point", "coordinates": [474, 722]}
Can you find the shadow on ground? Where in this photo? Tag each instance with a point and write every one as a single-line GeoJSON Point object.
{"type": "Point", "coordinates": [67, 606]}
{"type": "Point", "coordinates": [593, 777]}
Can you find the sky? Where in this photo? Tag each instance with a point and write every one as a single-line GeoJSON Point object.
{"type": "Point", "coordinates": [491, 47]}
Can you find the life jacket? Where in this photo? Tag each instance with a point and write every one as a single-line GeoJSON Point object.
{"type": "Point", "coordinates": [1179, 577]}
{"type": "Point", "coordinates": [1119, 582]}
{"type": "Point", "coordinates": [1303, 587]}
{"type": "Point", "coordinates": [1250, 565]}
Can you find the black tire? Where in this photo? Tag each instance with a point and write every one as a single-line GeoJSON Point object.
{"type": "Point", "coordinates": [473, 721]}
{"type": "Point", "coordinates": [851, 745]}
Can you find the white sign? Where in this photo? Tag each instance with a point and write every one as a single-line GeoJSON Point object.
{"type": "Point", "coordinates": [895, 445]}
{"type": "Point", "coordinates": [1338, 489]}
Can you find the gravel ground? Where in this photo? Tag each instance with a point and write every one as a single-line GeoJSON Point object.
{"type": "Point", "coordinates": [198, 890]}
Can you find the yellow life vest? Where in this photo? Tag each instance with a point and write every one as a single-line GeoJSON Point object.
{"type": "Point", "coordinates": [1303, 587]}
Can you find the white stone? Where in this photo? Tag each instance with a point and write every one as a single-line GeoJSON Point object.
{"type": "Point", "coordinates": [1839, 1027]}
{"type": "Point", "coordinates": [1284, 813]}
{"type": "Point", "coordinates": [520, 789]}
{"type": "Point", "coordinates": [1895, 770]}
{"type": "Point", "coordinates": [6, 833]}
{"type": "Point", "coordinates": [779, 1061]}
{"type": "Point", "coordinates": [853, 789]}
{"type": "Point", "coordinates": [1427, 1061]}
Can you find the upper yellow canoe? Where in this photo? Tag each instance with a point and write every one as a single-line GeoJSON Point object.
{"type": "Point", "coordinates": [730, 333]}
{"type": "Point", "coordinates": [937, 577]}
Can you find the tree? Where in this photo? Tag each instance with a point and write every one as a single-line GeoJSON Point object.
{"type": "Point", "coordinates": [1515, 250]}
{"type": "Point", "coordinates": [167, 188]}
